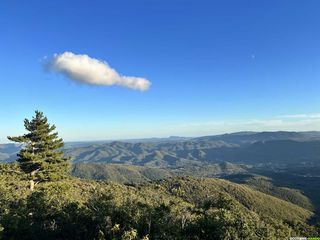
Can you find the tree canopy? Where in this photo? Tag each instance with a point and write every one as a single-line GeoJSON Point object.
{"type": "Point", "coordinates": [40, 157]}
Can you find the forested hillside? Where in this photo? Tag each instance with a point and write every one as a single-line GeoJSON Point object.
{"type": "Point", "coordinates": [177, 208]}
{"type": "Point", "coordinates": [277, 148]}
{"type": "Point", "coordinates": [161, 190]}
{"type": "Point", "coordinates": [280, 152]}
{"type": "Point", "coordinates": [123, 173]}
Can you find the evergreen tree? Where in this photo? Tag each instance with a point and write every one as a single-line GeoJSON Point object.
{"type": "Point", "coordinates": [40, 157]}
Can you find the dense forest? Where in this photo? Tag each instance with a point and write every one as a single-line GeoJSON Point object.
{"type": "Point", "coordinates": [41, 199]}
{"type": "Point", "coordinates": [177, 208]}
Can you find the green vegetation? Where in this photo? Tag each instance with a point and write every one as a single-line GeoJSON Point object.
{"type": "Point", "coordinates": [120, 173]}
{"type": "Point", "coordinates": [177, 208]}
{"type": "Point", "coordinates": [40, 158]}
{"type": "Point", "coordinates": [124, 173]}
{"type": "Point", "coordinates": [266, 185]}
{"type": "Point", "coordinates": [308, 184]}
{"type": "Point", "coordinates": [149, 207]}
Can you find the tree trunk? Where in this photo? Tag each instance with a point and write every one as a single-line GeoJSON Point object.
{"type": "Point", "coordinates": [31, 181]}
{"type": "Point", "coordinates": [31, 185]}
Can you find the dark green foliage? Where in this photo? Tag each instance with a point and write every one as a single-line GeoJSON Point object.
{"type": "Point", "coordinates": [178, 208]}
{"type": "Point", "coordinates": [196, 191]}
{"type": "Point", "coordinates": [291, 178]}
{"type": "Point", "coordinates": [291, 195]}
{"type": "Point", "coordinates": [40, 156]}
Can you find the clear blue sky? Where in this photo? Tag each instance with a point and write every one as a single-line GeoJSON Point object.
{"type": "Point", "coordinates": [215, 66]}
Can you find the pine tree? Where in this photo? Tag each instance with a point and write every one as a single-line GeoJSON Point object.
{"type": "Point", "coordinates": [40, 157]}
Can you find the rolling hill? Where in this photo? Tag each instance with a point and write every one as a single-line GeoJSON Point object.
{"type": "Point", "coordinates": [174, 208]}
{"type": "Point", "coordinates": [278, 148]}
{"type": "Point", "coordinates": [124, 173]}
{"type": "Point", "coordinates": [279, 153]}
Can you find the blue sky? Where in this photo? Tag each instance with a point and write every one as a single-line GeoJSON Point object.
{"type": "Point", "coordinates": [214, 66]}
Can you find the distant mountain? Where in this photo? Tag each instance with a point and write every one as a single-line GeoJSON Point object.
{"type": "Point", "coordinates": [164, 154]}
{"type": "Point", "coordinates": [257, 148]}
{"type": "Point", "coordinates": [250, 137]}
{"type": "Point", "coordinates": [276, 152]}
{"type": "Point", "coordinates": [138, 140]}
{"type": "Point", "coordinates": [8, 152]}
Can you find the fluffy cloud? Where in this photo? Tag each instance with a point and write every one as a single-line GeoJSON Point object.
{"type": "Point", "coordinates": [85, 69]}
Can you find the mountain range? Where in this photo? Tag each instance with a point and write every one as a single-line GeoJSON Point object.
{"type": "Point", "coordinates": [283, 164]}
{"type": "Point", "coordinates": [256, 148]}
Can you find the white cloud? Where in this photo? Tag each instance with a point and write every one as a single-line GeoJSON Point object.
{"type": "Point", "coordinates": [84, 69]}
{"type": "Point", "coordinates": [303, 115]}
